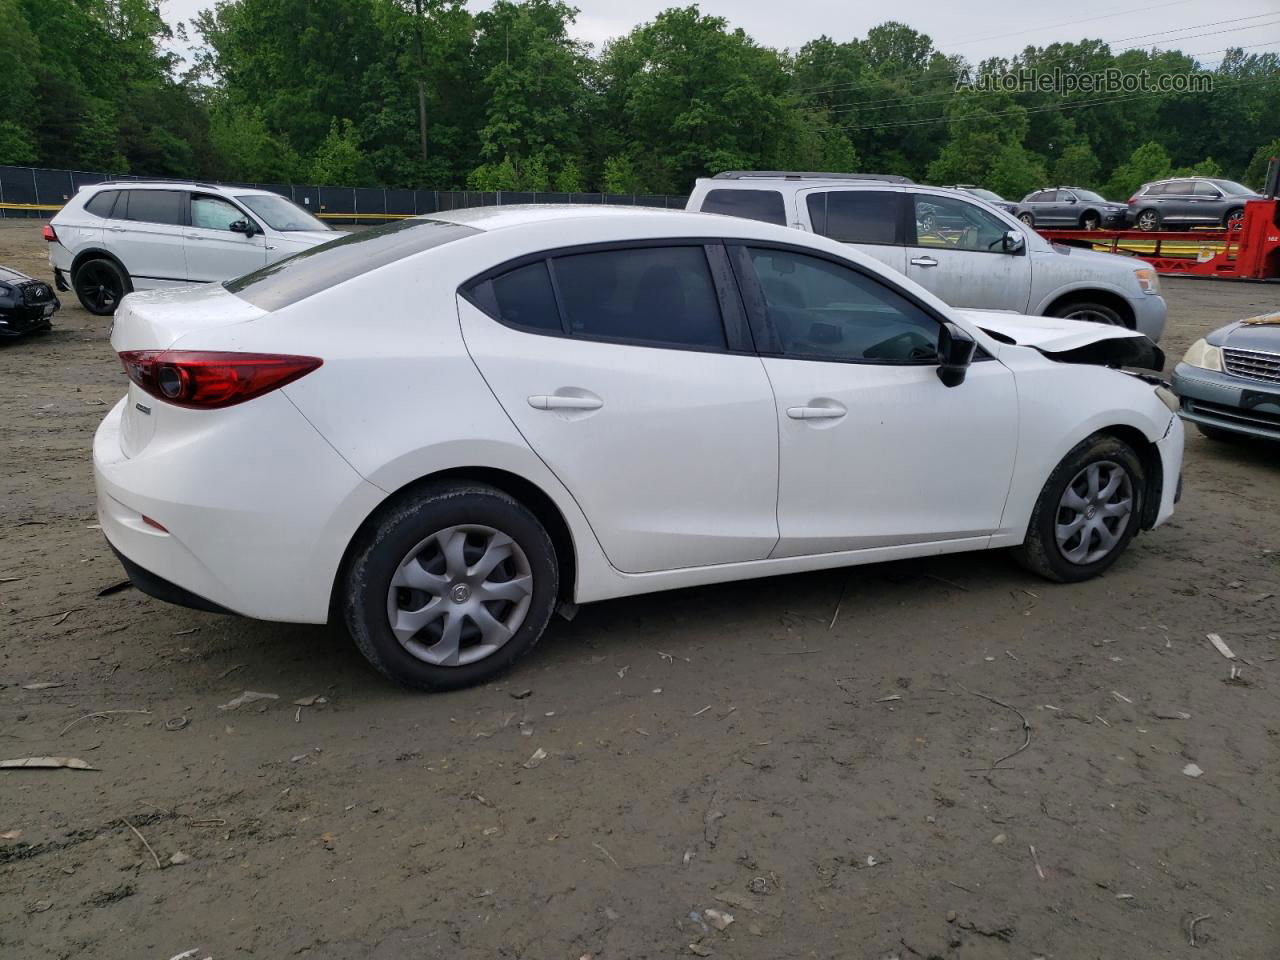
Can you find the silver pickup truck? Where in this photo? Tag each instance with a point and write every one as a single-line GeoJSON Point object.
{"type": "Point", "coordinates": [964, 250]}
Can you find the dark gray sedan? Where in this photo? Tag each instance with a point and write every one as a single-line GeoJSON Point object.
{"type": "Point", "coordinates": [1229, 381]}
{"type": "Point", "coordinates": [1070, 208]}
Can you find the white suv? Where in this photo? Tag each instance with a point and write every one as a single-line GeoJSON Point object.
{"type": "Point", "coordinates": [964, 250]}
{"type": "Point", "coordinates": [115, 237]}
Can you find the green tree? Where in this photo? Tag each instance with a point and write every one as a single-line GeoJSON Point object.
{"type": "Point", "coordinates": [1149, 162]}
{"type": "Point", "coordinates": [1256, 172]}
{"type": "Point", "coordinates": [534, 175]}
{"type": "Point", "coordinates": [339, 160]}
{"type": "Point", "coordinates": [1014, 172]}
{"type": "Point", "coordinates": [495, 176]}
{"type": "Point", "coordinates": [569, 177]}
{"type": "Point", "coordinates": [620, 176]}
{"type": "Point", "coordinates": [985, 128]}
{"type": "Point", "coordinates": [1076, 166]}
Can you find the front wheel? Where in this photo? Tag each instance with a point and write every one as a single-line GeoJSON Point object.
{"type": "Point", "coordinates": [1090, 221]}
{"type": "Point", "coordinates": [101, 285]}
{"type": "Point", "coordinates": [1087, 512]}
{"type": "Point", "coordinates": [1090, 312]}
{"type": "Point", "coordinates": [1027, 218]}
{"type": "Point", "coordinates": [449, 586]}
{"type": "Point", "coordinates": [1233, 219]}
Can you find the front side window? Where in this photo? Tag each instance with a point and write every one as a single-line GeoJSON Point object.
{"type": "Point", "coordinates": [824, 311]}
{"type": "Point", "coordinates": [281, 214]}
{"type": "Point", "coordinates": [1088, 196]}
{"type": "Point", "coordinates": [1233, 188]}
{"type": "Point", "coordinates": [951, 223]}
{"type": "Point", "coordinates": [855, 216]}
{"type": "Point", "coordinates": [1204, 189]}
{"type": "Point", "coordinates": [659, 295]}
{"type": "Point", "coordinates": [763, 205]}
{"type": "Point", "coordinates": [213, 213]}
{"type": "Point", "coordinates": [153, 206]}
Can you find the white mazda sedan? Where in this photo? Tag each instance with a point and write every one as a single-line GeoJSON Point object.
{"type": "Point", "coordinates": [440, 431]}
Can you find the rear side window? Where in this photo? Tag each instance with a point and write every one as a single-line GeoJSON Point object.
{"type": "Point", "coordinates": [1203, 189]}
{"type": "Point", "coordinates": [100, 204]}
{"type": "Point", "coordinates": [154, 206]}
{"type": "Point", "coordinates": [659, 295]}
{"type": "Point", "coordinates": [1179, 188]}
{"type": "Point", "coordinates": [524, 298]}
{"type": "Point", "coordinates": [855, 216]}
{"type": "Point", "coordinates": [1044, 196]}
{"type": "Point", "coordinates": [763, 205]}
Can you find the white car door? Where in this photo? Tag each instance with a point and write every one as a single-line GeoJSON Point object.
{"type": "Point", "coordinates": [213, 250]}
{"type": "Point", "coordinates": [875, 450]}
{"type": "Point", "coordinates": [868, 220]}
{"type": "Point", "coordinates": [957, 251]}
{"type": "Point", "coordinates": [146, 234]}
{"type": "Point", "coordinates": [625, 378]}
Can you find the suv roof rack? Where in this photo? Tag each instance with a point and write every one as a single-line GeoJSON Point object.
{"type": "Point", "coordinates": [155, 180]}
{"type": "Point", "coordinates": [807, 175]}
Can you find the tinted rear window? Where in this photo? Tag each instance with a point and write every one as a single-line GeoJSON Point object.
{"type": "Point", "coordinates": [329, 264]}
{"type": "Point", "coordinates": [155, 206]}
{"type": "Point", "coordinates": [763, 205]}
{"type": "Point", "coordinates": [524, 298]}
{"type": "Point", "coordinates": [659, 295]}
{"type": "Point", "coordinates": [855, 216]}
{"type": "Point", "coordinates": [100, 204]}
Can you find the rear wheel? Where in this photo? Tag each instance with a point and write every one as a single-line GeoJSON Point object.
{"type": "Point", "coordinates": [1148, 220]}
{"type": "Point", "coordinates": [1087, 512]}
{"type": "Point", "coordinates": [450, 586]}
{"type": "Point", "coordinates": [101, 285]}
{"type": "Point", "coordinates": [1089, 311]}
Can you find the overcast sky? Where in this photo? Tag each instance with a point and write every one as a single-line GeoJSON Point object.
{"type": "Point", "coordinates": [1201, 27]}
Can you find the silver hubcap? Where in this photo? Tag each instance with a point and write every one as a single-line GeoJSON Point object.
{"type": "Point", "coordinates": [1094, 512]}
{"type": "Point", "coordinates": [1147, 221]}
{"type": "Point", "coordinates": [459, 595]}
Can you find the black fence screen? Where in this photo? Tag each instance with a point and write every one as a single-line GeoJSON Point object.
{"type": "Point", "coordinates": [34, 192]}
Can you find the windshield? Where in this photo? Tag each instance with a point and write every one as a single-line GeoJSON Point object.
{"type": "Point", "coordinates": [1230, 186]}
{"type": "Point", "coordinates": [281, 214]}
{"type": "Point", "coordinates": [990, 195]}
{"type": "Point", "coordinates": [1090, 196]}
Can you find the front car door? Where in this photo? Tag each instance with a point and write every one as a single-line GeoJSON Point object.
{"type": "Point", "coordinates": [147, 236]}
{"type": "Point", "coordinates": [1207, 202]}
{"type": "Point", "coordinates": [213, 250]}
{"type": "Point", "coordinates": [957, 251]}
{"type": "Point", "coordinates": [875, 450]}
{"type": "Point", "coordinates": [629, 370]}
{"type": "Point", "coordinates": [870, 220]}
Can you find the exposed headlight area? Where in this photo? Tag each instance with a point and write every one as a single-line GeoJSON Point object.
{"type": "Point", "coordinates": [1204, 355]}
{"type": "Point", "coordinates": [1168, 398]}
{"type": "Point", "coordinates": [1148, 280]}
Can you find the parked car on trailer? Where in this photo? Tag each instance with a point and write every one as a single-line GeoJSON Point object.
{"type": "Point", "coordinates": [1070, 208]}
{"type": "Point", "coordinates": [993, 198]}
{"type": "Point", "coordinates": [955, 245]}
{"type": "Point", "coordinates": [118, 236]}
{"type": "Point", "coordinates": [27, 305]}
{"type": "Point", "coordinates": [542, 405]}
{"type": "Point", "coordinates": [1229, 380]}
{"type": "Point", "coordinates": [1189, 202]}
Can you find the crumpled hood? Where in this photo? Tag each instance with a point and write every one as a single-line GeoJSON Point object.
{"type": "Point", "coordinates": [1071, 341]}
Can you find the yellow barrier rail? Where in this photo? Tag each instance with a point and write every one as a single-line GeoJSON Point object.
{"type": "Point", "coordinates": [30, 206]}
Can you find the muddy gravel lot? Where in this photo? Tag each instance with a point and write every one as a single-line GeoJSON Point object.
{"type": "Point", "coordinates": [810, 755]}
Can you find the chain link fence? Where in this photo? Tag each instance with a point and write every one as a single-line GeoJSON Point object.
{"type": "Point", "coordinates": [38, 192]}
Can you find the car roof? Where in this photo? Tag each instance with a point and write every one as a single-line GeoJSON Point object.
{"type": "Point", "coordinates": [520, 214]}
{"type": "Point", "coordinates": [807, 175]}
{"type": "Point", "coordinates": [182, 184]}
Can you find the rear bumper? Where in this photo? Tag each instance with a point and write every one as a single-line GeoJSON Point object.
{"type": "Point", "coordinates": [1228, 402]}
{"type": "Point", "coordinates": [257, 510]}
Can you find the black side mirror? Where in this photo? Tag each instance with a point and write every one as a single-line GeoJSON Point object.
{"type": "Point", "coordinates": [955, 353]}
{"type": "Point", "coordinates": [247, 227]}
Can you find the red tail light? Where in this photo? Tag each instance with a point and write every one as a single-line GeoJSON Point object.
{"type": "Point", "coordinates": [49, 234]}
{"type": "Point", "coordinates": [208, 380]}
{"type": "Point", "coordinates": [1133, 198]}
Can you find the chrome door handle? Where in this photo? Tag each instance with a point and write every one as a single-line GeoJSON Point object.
{"type": "Point", "coordinates": [815, 413]}
{"type": "Point", "coordinates": [556, 402]}
{"type": "Point", "coordinates": [191, 236]}
{"type": "Point", "coordinates": [923, 262]}
{"type": "Point", "coordinates": [116, 229]}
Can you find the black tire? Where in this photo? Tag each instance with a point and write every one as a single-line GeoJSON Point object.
{"type": "Point", "coordinates": [1041, 552]}
{"type": "Point", "coordinates": [1090, 311]}
{"type": "Point", "coordinates": [1220, 435]}
{"type": "Point", "coordinates": [1233, 218]}
{"type": "Point", "coordinates": [928, 222]}
{"type": "Point", "coordinates": [1090, 221]}
{"type": "Point", "coordinates": [365, 582]}
{"type": "Point", "coordinates": [1147, 220]}
{"type": "Point", "coordinates": [1028, 218]}
{"type": "Point", "coordinates": [100, 285]}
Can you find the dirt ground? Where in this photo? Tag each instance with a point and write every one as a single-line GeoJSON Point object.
{"type": "Point", "coordinates": [825, 779]}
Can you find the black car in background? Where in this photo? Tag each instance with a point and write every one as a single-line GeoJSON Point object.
{"type": "Point", "coordinates": [982, 193]}
{"type": "Point", "coordinates": [1070, 208]}
{"type": "Point", "coordinates": [27, 305]}
{"type": "Point", "coordinates": [1189, 202]}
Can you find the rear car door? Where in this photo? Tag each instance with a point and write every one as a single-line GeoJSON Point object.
{"type": "Point", "coordinates": [1177, 203]}
{"type": "Point", "coordinates": [875, 450]}
{"type": "Point", "coordinates": [213, 250]}
{"type": "Point", "coordinates": [869, 220]}
{"type": "Point", "coordinates": [956, 250]}
{"type": "Point", "coordinates": [146, 234]}
{"type": "Point", "coordinates": [628, 368]}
